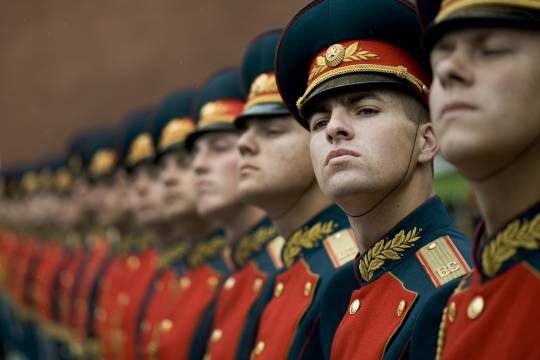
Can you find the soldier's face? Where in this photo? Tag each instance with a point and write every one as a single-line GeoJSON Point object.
{"type": "Point", "coordinates": [215, 159]}
{"type": "Point", "coordinates": [361, 144]}
{"type": "Point", "coordinates": [145, 195]}
{"type": "Point", "coordinates": [275, 164]}
{"type": "Point", "coordinates": [112, 199]}
{"type": "Point", "coordinates": [484, 98]}
{"type": "Point", "coordinates": [179, 197]}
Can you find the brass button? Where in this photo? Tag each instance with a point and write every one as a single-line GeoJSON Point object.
{"type": "Point", "coordinates": [133, 262]}
{"type": "Point", "coordinates": [279, 289]}
{"type": "Point", "coordinates": [229, 284]}
{"type": "Point", "coordinates": [307, 288]}
{"type": "Point", "coordinates": [213, 282]}
{"type": "Point", "coordinates": [185, 282]}
{"type": "Point", "coordinates": [257, 284]}
{"type": "Point", "coordinates": [432, 246]}
{"type": "Point", "coordinates": [216, 335]}
{"type": "Point", "coordinates": [259, 348]}
{"type": "Point", "coordinates": [145, 325]}
{"type": "Point", "coordinates": [67, 279]}
{"type": "Point", "coordinates": [475, 308]}
{"type": "Point", "coordinates": [400, 308]}
{"type": "Point", "coordinates": [100, 314]}
{"type": "Point", "coordinates": [165, 325]}
{"type": "Point", "coordinates": [123, 298]}
{"type": "Point", "coordinates": [355, 305]}
{"type": "Point", "coordinates": [452, 312]}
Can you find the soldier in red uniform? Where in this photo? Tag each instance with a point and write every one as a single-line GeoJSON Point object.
{"type": "Point", "coordinates": [353, 73]}
{"type": "Point", "coordinates": [484, 106]}
{"type": "Point", "coordinates": [275, 173]}
{"type": "Point", "coordinates": [124, 282]}
{"type": "Point", "coordinates": [213, 143]}
{"type": "Point", "coordinates": [180, 228]}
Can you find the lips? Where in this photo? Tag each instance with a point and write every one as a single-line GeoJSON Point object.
{"type": "Point", "coordinates": [337, 153]}
{"type": "Point", "coordinates": [203, 185]}
{"type": "Point", "coordinates": [247, 168]}
{"type": "Point", "coordinates": [455, 106]}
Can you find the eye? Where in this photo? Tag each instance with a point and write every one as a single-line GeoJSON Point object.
{"type": "Point", "coordinates": [318, 124]}
{"type": "Point", "coordinates": [221, 146]}
{"type": "Point", "coordinates": [492, 51]}
{"type": "Point", "coordinates": [274, 131]}
{"type": "Point", "coordinates": [366, 111]}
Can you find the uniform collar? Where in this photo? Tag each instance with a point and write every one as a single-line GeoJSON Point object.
{"type": "Point", "coordinates": [211, 247]}
{"type": "Point", "coordinates": [403, 240]}
{"type": "Point", "coordinates": [311, 234]}
{"type": "Point", "coordinates": [513, 242]}
{"type": "Point", "coordinates": [174, 254]}
{"type": "Point", "coordinates": [253, 242]}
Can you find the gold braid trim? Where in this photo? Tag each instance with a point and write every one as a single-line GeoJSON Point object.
{"type": "Point", "coordinates": [448, 9]}
{"type": "Point", "coordinates": [441, 335]}
{"type": "Point", "coordinates": [206, 250]}
{"type": "Point", "coordinates": [400, 71]}
{"type": "Point", "coordinates": [516, 235]}
{"type": "Point", "coordinates": [250, 244]}
{"type": "Point", "coordinates": [385, 250]}
{"type": "Point", "coordinates": [306, 239]}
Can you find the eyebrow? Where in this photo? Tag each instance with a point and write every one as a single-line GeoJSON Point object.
{"type": "Point", "coordinates": [345, 100]}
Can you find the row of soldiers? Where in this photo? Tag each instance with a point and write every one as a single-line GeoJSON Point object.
{"type": "Point", "coordinates": [286, 209]}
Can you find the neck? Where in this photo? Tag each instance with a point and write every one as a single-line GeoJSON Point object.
{"type": "Point", "coordinates": [372, 227]}
{"type": "Point", "coordinates": [187, 228]}
{"type": "Point", "coordinates": [510, 192]}
{"type": "Point", "coordinates": [312, 202]}
{"type": "Point", "coordinates": [243, 219]}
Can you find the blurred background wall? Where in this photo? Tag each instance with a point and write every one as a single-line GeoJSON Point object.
{"type": "Point", "coordinates": [68, 65]}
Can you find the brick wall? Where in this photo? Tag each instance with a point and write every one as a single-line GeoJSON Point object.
{"type": "Point", "coordinates": [67, 65]}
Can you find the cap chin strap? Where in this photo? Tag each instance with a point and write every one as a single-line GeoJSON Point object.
{"type": "Point", "coordinates": [397, 186]}
{"type": "Point", "coordinates": [295, 200]}
{"type": "Point", "coordinates": [510, 162]}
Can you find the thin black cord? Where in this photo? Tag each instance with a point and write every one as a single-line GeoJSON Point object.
{"type": "Point", "coordinates": [505, 166]}
{"type": "Point", "coordinates": [295, 201]}
{"type": "Point", "coordinates": [397, 185]}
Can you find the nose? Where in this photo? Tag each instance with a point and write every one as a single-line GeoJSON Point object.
{"type": "Point", "coordinates": [168, 177]}
{"type": "Point", "coordinates": [453, 69]}
{"type": "Point", "coordinates": [199, 163]}
{"type": "Point", "coordinates": [170, 181]}
{"type": "Point", "coordinates": [338, 127]}
{"type": "Point", "coordinates": [246, 143]}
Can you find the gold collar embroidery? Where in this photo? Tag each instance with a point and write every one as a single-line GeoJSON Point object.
{"type": "Point", "coordinates": [518, 234]}
{"type": "Point", "coordinates": [383, 250]}
{"type": "Point", "coordinates": [206, 250]}
{"type": "Point", "coordinates": [250, 244]}
{"type": "Point", "coordinates": [306, 239]}
{"type": "Point", "coordinates": [172, 254]}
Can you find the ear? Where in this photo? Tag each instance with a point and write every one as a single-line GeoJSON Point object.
{"type": "Point", "coordinates": [427, 143]}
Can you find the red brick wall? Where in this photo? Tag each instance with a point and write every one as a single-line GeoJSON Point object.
{"type": "Point", "coordinates": [66, 65]}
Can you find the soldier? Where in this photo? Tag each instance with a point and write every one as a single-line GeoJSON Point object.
{"type": "Point", "coordinates": [257, 255]}
{"type": "Point", "coordinates": [353, 74]}
{"type": "Point", "coordinates": [213, 143]}
{"type": "Point", "coordinates": [484, 56]}
{"type": "Point", "coordinates": [180, 229]}
{"type": "Point", "coordinates": [124, 282]}
{"type": "Point", "coordinates": [98, 181]}
{"type": "Point", "coordinates": [275, 173]}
